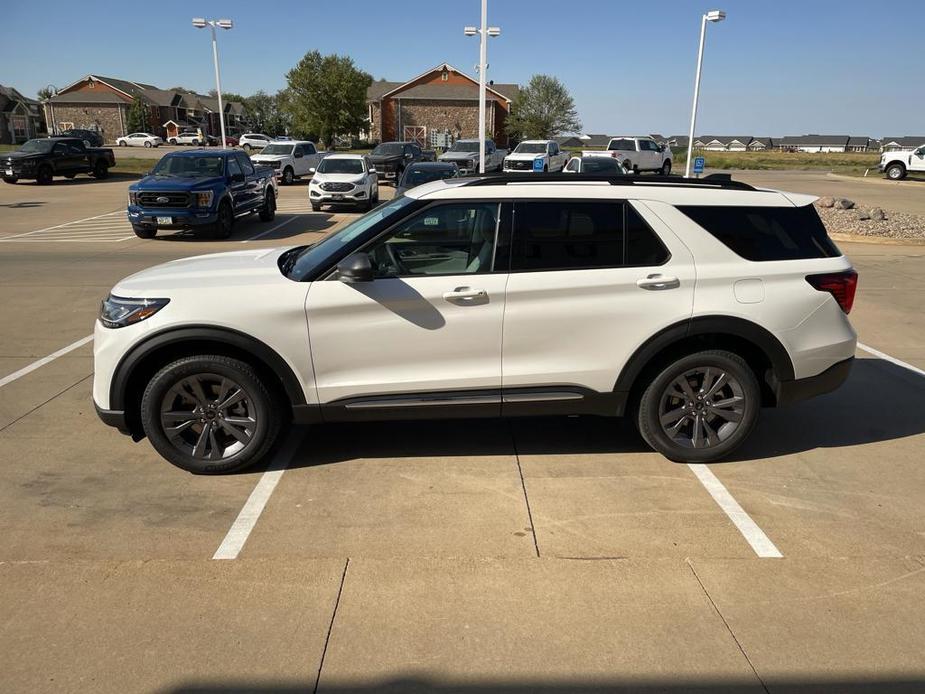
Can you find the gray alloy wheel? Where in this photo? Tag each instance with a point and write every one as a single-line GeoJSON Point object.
{"type": "Point", "coordinates": [288, 176]}
{"type": "Point", "coordinates": [147, 143]}
{"type": "Point", "coordinates": [895, 172]}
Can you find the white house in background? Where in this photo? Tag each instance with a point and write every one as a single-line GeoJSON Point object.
{"type": "Point", "coordinates": [858, 144]}
{"type": "Point", "coordinates": [761, 144]}
{"type": "Point", "coordinates": [722, 143]}
{"type": "Point", "coordinates": [903, 144]}
{"type": "Point", "coordinates": [813, 143]}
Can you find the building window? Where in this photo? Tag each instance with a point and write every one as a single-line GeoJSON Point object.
{"type": "Point", "coordinates": [445, 75]}
{"type": "Point", "coordinates": [20, 130]}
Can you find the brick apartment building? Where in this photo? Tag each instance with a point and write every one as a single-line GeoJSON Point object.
{"type": "Point", "coordinates": [102, 103]}
{"type": "Point", "coordinates": [440, 104]}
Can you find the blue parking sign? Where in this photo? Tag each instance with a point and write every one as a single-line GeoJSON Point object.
{"type": "Point", "coordinates": [698, 164]}
{"type": "Point", "coordinates": [537, 164]}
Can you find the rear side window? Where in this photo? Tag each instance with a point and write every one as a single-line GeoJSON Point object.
{"type": "Point", "coordinates": [581, 235]}
{"type": "Point", "coordinates": [766, 233]}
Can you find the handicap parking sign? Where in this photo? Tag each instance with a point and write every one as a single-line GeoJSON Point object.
{"type": "Point", "coordinates": [698, 164]}
{"type": "Point", "coordinates": [537, 164]}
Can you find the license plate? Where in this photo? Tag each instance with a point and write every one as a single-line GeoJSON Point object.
{"type": "Point", "coordinates": [337, 197]}
{"type": "Point", "coordinates": [390, 174]}
{"type": "Point", "coordinates": [165, 220]}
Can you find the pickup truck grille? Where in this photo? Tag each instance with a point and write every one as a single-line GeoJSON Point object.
{"type": "Point", "coordinates": [520, 165]}
{"type": "Point", "coordinates": [172, 199]}
{"type": "Point", "coordinates": [335, 187]}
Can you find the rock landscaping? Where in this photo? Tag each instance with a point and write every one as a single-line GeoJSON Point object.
{"type": "Point", "coordinates": [843, 216]}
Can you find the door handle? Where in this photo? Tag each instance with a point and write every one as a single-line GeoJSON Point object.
{"type": "Point", "coordinates": [656, 282]}
{"type": "Point", "coordinates": [465, 294]}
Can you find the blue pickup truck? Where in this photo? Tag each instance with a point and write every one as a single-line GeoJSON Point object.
{"type": "Point", "coordinates": [201, 189]}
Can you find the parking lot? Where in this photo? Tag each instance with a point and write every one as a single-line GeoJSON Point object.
{"type": "Point", "coordinates": [554, 555]}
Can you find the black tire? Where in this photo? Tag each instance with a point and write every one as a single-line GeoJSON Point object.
{"type": "Point", "coordinates": [144, 232]}
{"type": "Point", "coordinates": [268, 210]}
{"type": "Point", "coordinates": [666, 168]}
{"type": "Point", "coordinates": [44, 176]}
{"type": "Point", "coordinates": [122, 143]}
{"type": "Point", "coordinates": [246, 147]}
{"type": "Point", "coordinates": [316, 208]}
{"type": "Point", "coordinates": [288, 176]}
{"type": "Point", "coordinates": [148, 143]}
{"type": "Point", "coordinates": [662, 403]}
{"type": "Point", "coordinates": [100, 170]}
{"type": "Point", "coordinates": [225, 223]}
{"type": "Point", "coordinates": [172, 141]}
{"type": "Point", "coordinates": [10, 179]}
{"type": "Point", "coordinates": [366, 206]}
{"type": "Point", "coordinates": [70, 175]}
{"type": "Point", "coordinates": [895, 172]}
{"type": "Point", "coordinates": [221, 451]}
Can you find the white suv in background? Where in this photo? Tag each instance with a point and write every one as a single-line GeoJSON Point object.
{"type": "Point", "coordinates": [249, 141]}
{"type": "Point", "coordinates": [687, 306]}
{"type": "Point", "coordinates": [344, 179]}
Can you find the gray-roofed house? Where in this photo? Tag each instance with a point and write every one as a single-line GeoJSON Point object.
{"type": "Point", "coordinates": [722, 143]}
{"type": "Point", "coordinates": [905, 143]}
{"type": "Point", "coordinates": [813, 143]}
{"type": "Point", "coordinates": [440, 104]}
{"type": "Point", "coordinates": [20, 117]}
{"type": "Point", "coordinates": [858, 144]}
{"type": "Point", "coordinates": [761, 144]}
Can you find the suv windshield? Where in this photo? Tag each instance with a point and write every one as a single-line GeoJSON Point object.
{"type": "Point", "coordinates": [340, 166]}
{"type": "Point", "coordinates": [190, 166]}
{"type": "Point", "coordinates": [302, 262]}
{"type": "Point", "coordinates": [37, 146]}
{"type": "Point", "coordinates": [530, 148]}
{"type": "Point", "coordinates": [389, 150]}
{"type": "Point", "coordinates": [278, 149]}
{"type": "Point", "coordinates": [465, 146]}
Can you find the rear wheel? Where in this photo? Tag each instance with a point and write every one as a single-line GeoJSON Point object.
{"type": "Point", "coordinates": [210, 414]}
{"type": "Point", "coordinates": [268, 211]}
{"type": "Point", "coordinates": [100, 170]}
{"type": "Point", "coordinates": [225, 223]}
{"type": "Point", "coordinates": [896, 172]}
{"type": "Point", "coordinates": [44, 175]}
{"type": "Point", "coordinates": [288, 176]}
{"type": "Point", "coordinates": [666, 168]}
{"type": "Point", "coordinates": [701, 407]}
{"type": "Point", "coordinates": [147, 143]}
{"type": "Point", "coordinates": [144, 232]}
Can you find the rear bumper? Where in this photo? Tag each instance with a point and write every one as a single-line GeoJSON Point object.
{"type": "Point", "coordinates": [789, 392]}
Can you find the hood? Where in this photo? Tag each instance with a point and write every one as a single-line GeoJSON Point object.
{"type": "Point", "coordinates": [337, 178]}
{"type": "Point", "coordinates": [21, 156]}
{"type": "Point", "coordinates": [168, 183]}
{"type": "Point", "coordinates": [237, 268]}
{"type": "Point", "coordinates": [382, 158]}
{"type": "Point", "coordinates": [524, 156]}
{"type": "Point", "coordinates": [459, 156]}
{"type": "Point", "coordinates": [270, 157]}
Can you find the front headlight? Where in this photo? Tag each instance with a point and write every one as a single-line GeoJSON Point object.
{"type": "Point", "coordinates": [117, 312]}
{"type": "Point", "coordinates": [133, 197]}
{"type": "Point", "coordinates": [204, 198]}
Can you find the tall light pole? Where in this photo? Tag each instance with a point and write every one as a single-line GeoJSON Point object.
{"type": "Point", "coordinates": [484, 32]}
{"type": "Point", "coordinates": [711, 16]}
{"type": "Point", "coordinates": [201, 23]}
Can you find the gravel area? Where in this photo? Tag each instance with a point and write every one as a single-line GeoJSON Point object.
{"type": "Point", "coordinates": [844, 217]}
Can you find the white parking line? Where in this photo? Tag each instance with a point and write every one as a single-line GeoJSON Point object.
{"type": "Point", "coordinates": [754, 535]}
{"type": "Point", "coordinates": [105, 228]}
{"type": "Point", "coordinates": [243, 525]}
{"type": "Point", "coordinates": [44, 360]}
{"type": "Point", "coordinates": [892, 360]}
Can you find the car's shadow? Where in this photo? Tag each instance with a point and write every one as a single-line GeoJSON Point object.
{"type": "Point", "coordinates": [248, 229]}
{"type": "Point", "coordinates": [879, 402]}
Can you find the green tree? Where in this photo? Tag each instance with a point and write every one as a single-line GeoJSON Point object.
{"type": "Point", "coordinates": [326, 95]}
{"type": "Point", "coordinates": [136, 120]}
{"type": "Point", "coordinates": [542, 110]}
{"type": "Point", "coordinates": [46, 93]}
{"type": "Point", "coordinates": [265, 113]}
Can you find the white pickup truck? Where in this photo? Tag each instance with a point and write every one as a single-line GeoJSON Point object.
{"type": "Point", "coordinates": [641, 153]}
{"type": "Point", "coordinates": [897, 164]}
{"type": "Point", "coordinates": [535, 155]}
{"type": "Point", "coordinates": [465, 154]}
{"type": "Point", "coordinates": [291, 159]}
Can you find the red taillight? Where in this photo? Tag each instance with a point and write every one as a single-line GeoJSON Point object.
{"type": "Point", "coordinates": [841, 285]}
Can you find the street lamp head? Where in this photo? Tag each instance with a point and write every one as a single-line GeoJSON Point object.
{"type": "Point", "coordinates": [715, 16]}
{"type": "Point", "coordinates": [494, 31]}
{"type": "Point", "coordinates": [470, 31]}
{"type": "Point", "coordinates": [199, 22]}
{"type": "Point", "coordinates": [225, 23]}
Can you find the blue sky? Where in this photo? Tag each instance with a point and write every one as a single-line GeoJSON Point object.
{"type": "Point", "coordinates": [774, 67]}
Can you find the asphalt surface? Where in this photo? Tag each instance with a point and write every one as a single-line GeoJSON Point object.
{"type": "Point", "coordinates": [551, 555]}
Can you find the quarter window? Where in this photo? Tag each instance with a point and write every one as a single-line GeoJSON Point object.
{"type": "Point", "coordinates": [454, 239]}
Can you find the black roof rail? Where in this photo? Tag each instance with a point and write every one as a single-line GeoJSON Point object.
{"type": "Point", "coordinates": [712, 181]}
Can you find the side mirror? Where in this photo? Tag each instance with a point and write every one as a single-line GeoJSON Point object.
{"type": "Point", "coordinates": [311, 169]}
{"type": "Point", "coordinates": [237, 178]}
{"type": "Point", "coordinates": [298, 155]}
{"type": "Point", "coordinates": [372, 169]}
{"type": "Point", "coordinates": [356, 268]}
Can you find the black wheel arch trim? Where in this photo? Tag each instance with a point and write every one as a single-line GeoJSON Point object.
{"type": "Point", "coordinates": [707, 325]}
{"type": "Point", "coordinates": [208, 333]}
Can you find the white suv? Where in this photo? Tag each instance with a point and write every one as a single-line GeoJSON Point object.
{"type": "Point", "coordinates": [686, 305]}
{"type": "Point", "coordinates": [344, 179]}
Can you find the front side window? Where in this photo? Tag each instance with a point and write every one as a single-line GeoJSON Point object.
{"type": "Point", "coordinates": [60, 149]}
{"type": "Point", "coordinates": [234, 168]}
{"type": "Point", "coordinates": [452, 239]}
{"type": "Point", "coordinates": [246, 166]}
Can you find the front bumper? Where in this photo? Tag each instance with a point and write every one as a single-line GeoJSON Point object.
{"type": "Point", "coordinates": [113, 418]}
{"type": "Point", "coordinates": [323, 197]}
{"type": "Point", "coordinates": [181, 218]}
{"type": "Point", "coordinates": [789, 392]}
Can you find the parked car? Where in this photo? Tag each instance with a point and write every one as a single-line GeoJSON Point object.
{"type": "Point", "coordinates": [686, 305]}
{"type": "Point", "coordinates": [594, 165]}
{"type": "Point", "coordinates": [91, 137]}
{"type": "Point", "coordinates": [44, 158]}
{"type": "Point", "coordinates": [140, 140]}
{"type": "Point", "coordinates": [897, 164]}
{"type": "Point", "coordinates": [249, 141]}
{"type": "Point", "coordinates": [196, 138]}
{"type": "Point", "coordinates": [639, 153]}
{"type": "Point", "coordinates": [391, 158]}
{"type": "Point", "coordinates": [421, 172]}
{"type": "Point", "coordinates": [201, 190]}
{"type": "Point", "coordinates": [465, 153]}
{"type": "Point", "coordinates": [537, 156]}
{"type": "Point", "coordinates": [231, 141]}
{"type": "Point", "coordinates": [344, 179]}
{"type": "Point", "coordinates": [290, 159]}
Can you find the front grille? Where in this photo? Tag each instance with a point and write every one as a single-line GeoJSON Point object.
{"type": "Point", "coordinates": [171, 199]}
{"type": "Point", "coordinates": [335, 187]}
{"type": "Point", "coordinates": [272, 164]}
{"type": "Point", "coordinates": [520, 165]}
{"type": "Point", "coordinates": [386, 166]}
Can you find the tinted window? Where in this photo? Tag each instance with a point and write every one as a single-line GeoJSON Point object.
{"type": "Point", "coordinates": [246, 164]}
{"type": "Point", "coordinates": [567, 235]}
{"type": "Point", "coordinates": [600, 165]}
{"type": "Point", "coordinates": [233, 167]}
{"type": "Point", "coordinates": [766, 233]}
{"type": "Point", "coordinates": [643, 247]}
{"type": "Point", "coordinates": [454, 239]}
{"type": "Point", "coordinates": [622, 145]}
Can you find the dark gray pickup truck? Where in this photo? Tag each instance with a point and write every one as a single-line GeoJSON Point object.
{"type": "Point", "coordinates": [44, 158]}
{"type": "Point", "coordinates": [391, 158]}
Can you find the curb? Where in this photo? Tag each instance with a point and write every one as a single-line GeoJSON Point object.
{"type": "Point", "coordinates": [874, 180]}
{"type": "Point", "coordinates": [881, 240]}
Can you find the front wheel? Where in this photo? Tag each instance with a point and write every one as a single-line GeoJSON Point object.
{"type": "Point", "coordinates": [666, 168]}
{"type": "Point", "coordinates": [147, 143]}
{"type": "Point", "coordinates": [210, 414]}
{"type": "Point", "coordinates": [268, 211]}
{"type": "Point", "coordinates": [44, 175]}
{"type": "Point", "coordinates": [896, 172]}
{"type": "Point", "coordinates": [100, 170]}
{"type": "Point", "coordinates": [288, 176]}
{"type": "Point", "coordinates": [701, 407]}
{"type": "Point", "coordinates": [122, 143]}
{"type": "Point", "coordinates": [225, 222]}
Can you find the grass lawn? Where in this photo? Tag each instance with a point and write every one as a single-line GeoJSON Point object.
{"type": "Point", "coordinates": [133, 165]}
